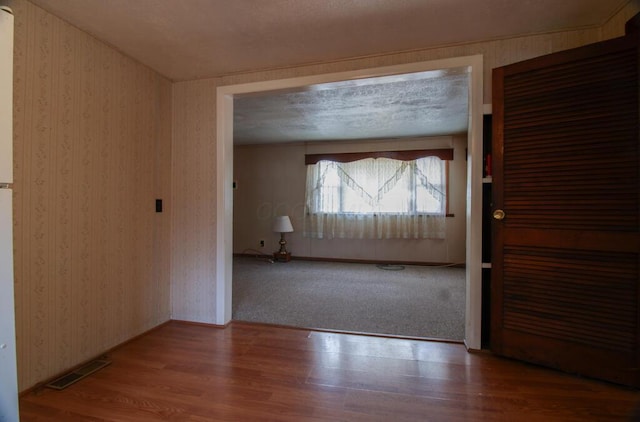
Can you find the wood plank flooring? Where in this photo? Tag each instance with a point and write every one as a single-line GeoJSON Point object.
{"type": "Point", "coordinates": [250, 372]}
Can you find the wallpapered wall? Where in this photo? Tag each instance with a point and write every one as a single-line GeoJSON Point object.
{"type": "Point", "coordinates": [194, 189]}
{"type": "Point", "coordinates": [91, 154]}
{"type": "Point", "coordinates": [271, 181]}
{"type": "Point", "coordinates": [197, 129]}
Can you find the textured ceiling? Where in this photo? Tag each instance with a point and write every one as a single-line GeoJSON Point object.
{"type": "Point", "coordinates": [412, 105]}
{"type": "Point", "coordinates": [191, 39]}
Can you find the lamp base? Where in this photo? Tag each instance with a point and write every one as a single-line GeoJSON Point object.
{"type": "Point", "coordinates": [282, 256]}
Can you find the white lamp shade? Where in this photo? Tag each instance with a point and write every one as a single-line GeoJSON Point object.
{"type": "Point", "coordinates": [282, 224]}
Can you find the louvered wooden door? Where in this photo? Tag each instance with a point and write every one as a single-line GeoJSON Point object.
{"type": "Point", "coordinates": [566, 255]}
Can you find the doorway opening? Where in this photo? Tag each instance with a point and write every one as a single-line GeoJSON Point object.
{"type": "Point", "coordinates": [224, 235]}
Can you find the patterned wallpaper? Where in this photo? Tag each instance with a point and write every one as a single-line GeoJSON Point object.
{"type": "Point", "coordinates": [193, 236]}
{"type": "Point", "coordinates": [615, 26]}
{"type": "Point", "coordinates": [92, 152]}
{"type": "Point", "coordinates": [194, 122]}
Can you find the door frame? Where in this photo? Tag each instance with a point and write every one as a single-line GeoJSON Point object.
{"type": "Point", "coordinates": [224, 177]}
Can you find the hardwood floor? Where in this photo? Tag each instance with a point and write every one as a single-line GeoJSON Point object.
{"type": "Point", "coordinates": [246, 372]}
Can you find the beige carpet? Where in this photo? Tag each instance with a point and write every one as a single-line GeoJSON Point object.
{"type": "Point", "coordinates": [418, 301]}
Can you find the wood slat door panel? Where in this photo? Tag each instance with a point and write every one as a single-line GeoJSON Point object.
{"type": "Point", "coordinates": [566, 258]}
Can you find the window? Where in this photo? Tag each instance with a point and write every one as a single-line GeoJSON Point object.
{"type": "Point", "coordinates": [381, 185]}
{"type": "Point", "coordinates": [377, 196]}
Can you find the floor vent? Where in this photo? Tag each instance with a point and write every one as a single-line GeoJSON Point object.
{"type": "Point", "coordinates": [76, 375]}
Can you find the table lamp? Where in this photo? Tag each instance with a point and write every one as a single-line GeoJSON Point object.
{"type": "Point", "coordinates": [282, 225]}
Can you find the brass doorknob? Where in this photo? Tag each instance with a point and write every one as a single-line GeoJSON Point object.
{"type": "Point", "coordinates": [499, 215]}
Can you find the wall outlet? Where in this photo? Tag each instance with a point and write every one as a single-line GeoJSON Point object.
{"type": "Point", "coordinates": [261, 242]}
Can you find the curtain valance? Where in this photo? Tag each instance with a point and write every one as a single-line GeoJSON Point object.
{"type": "Point", "coordinates": [409, 155]}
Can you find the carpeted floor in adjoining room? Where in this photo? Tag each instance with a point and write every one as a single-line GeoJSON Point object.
{"type": "Point", "coordinates": [418, 301]}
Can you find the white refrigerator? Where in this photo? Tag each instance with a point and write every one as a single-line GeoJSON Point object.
{"type": "Point", "coordinates": [8, 367]}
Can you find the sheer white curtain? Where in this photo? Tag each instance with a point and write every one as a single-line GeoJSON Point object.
{"type": "Point", "coordinates": [377, 198]}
